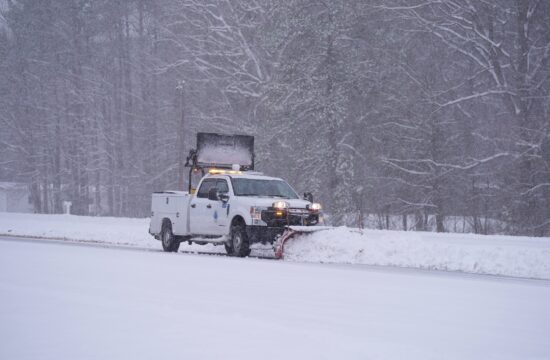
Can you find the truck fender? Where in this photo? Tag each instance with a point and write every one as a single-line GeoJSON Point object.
{"type": "Point", "coordinates": [164, 221]}
{"type": "Point", "coordinates": [238, 217]}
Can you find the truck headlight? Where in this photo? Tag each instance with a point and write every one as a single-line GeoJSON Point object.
{"type": "Point", "coordinates": [315, 207]}
{"type": "Point", "coordinates": [281, 205]}
{"type": "Point", "coordinates": [256, 212]}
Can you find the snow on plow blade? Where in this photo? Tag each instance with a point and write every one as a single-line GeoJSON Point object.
{"type": "Point", "coordinates": [291, 232]}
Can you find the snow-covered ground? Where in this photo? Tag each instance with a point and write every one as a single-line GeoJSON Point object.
{"type": "Point", "coordinates": [80, 302]}
{"type": "Point", "coordinates": [496, 255]}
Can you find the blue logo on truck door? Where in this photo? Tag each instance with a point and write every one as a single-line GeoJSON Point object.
{"type": "Point", "coordinates": [226, 207]}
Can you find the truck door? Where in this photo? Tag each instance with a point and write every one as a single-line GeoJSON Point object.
{"type": "Point", "coordinates": [201, 210]}
{"type": "Point", "coordinates": [220, 214]}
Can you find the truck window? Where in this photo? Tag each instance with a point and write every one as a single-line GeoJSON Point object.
{"type": "Point", "coordinates": [206, 185]}
{"type": "Point", "coordinates": [260, 187]}
{"type": "Point", "coordinates": [222, 186]}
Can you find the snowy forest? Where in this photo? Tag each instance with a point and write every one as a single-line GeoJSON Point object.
{"type": "Point", "coordinates": [418, 110]}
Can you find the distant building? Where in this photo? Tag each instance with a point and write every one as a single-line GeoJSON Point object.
{"type": "Point", "coordinates": [15, 197]}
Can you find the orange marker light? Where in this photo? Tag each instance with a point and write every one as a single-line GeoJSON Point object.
{"type": "Point", "coordinates": [222, 171]}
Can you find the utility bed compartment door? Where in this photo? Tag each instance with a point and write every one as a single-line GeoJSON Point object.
{"type": "Point", "coordinates": [173, 206]}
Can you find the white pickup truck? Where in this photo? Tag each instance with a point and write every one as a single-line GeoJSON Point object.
{"type": "Point", "coordinates": [231, 207]}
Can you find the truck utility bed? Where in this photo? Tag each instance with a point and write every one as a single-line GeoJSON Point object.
{"type": "Point", "coordinates": [173, 205]}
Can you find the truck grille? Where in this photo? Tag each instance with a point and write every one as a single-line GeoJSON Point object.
{"type": "Point", "coordinates": [295, 216]}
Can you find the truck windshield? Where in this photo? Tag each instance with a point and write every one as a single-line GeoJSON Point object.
{"type": "Point", "coordinates": [268, 188]}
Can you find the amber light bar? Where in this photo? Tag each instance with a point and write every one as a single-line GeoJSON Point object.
{"type": "Point", "coordinates": [222, 171]}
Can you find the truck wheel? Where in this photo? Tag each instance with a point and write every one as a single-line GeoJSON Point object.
{"type": "Point", "coordinates": [169, 241]}
{"type": "Point", "coordinates": [240, 246]}
{"type": "Point", "coordinates": [228, 247]}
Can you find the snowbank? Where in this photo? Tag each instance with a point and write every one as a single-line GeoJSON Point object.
{"type": "Point", "coordinates": [496, 255]}
{"type": "Point", "coordinates": [108, 230]}
{"type": "Point", "coordinates": [120, 231]}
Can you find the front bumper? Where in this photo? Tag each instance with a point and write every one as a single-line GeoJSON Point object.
{"type": "Point", "coordinates": [276, 222]}
{"type": "Point", "coordinates": [263, 234]}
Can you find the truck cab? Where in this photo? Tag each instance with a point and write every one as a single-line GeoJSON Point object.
{"type": "Point", "coordinates": [236, 208]}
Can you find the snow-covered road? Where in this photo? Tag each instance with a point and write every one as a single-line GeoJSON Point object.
{"type": "Point", "coordinates": [81, 302]}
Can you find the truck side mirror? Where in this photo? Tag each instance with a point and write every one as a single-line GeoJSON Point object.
{"type": "Point", "coordinates": [224, 197]}
{"type": "Point", "coordinates": [213, 194]}
{"type": "Point", "coordinates": [308, 196]}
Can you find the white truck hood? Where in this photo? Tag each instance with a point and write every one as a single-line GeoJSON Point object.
{"type": "Point", "coordinates": [268, 201]}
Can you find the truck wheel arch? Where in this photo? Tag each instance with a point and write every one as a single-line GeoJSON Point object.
{"type": "Point", "coordinates": [165, 222]}
{"type": "Point", "coordinates": [238, 219]}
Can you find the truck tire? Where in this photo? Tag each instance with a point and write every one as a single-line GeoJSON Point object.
{"type": "Point", "coordinates": [239, 243]}
{"type": "Point", "coordinates": [228, 247]}
{"type": "Point", "coordinates": [169, 241]}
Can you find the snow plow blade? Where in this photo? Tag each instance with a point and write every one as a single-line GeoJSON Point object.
{"type": "Point", "coordinates": [291, 232]}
